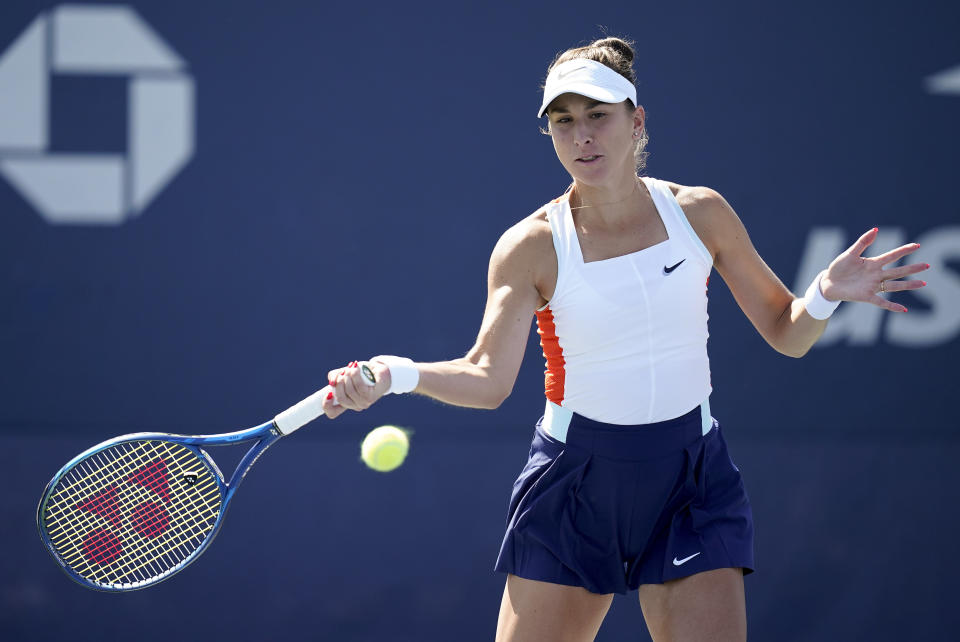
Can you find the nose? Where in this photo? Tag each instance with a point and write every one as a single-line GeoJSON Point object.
{"type": "Point", "coordinates": [582, 135]}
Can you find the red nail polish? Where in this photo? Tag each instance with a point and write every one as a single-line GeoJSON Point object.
{"type": "Point", "coordinates": [329, 395]}
{"type": "Point", "coordinates": [924, 283]}
{"type": "Point", "coordinates": [928, 266]}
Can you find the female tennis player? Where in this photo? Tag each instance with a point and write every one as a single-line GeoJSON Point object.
{"type": "Point", "coordinates": [628, 483]}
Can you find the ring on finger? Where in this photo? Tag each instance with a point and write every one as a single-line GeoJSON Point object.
{"type": "Point", "coordinates": [883, 286]}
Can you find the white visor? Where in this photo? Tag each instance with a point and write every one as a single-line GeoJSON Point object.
{"type": "Point", "coordinates": [587, 78]}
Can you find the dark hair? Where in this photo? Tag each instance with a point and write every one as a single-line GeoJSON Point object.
{"type": "Point", "coordinates": [617, 54]}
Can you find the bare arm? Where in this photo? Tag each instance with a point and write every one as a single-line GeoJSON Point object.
{"type": "Point", "coordinates": [778, 315]}
{"type": "Point", "coordinates": [485, 376]}
{"type": "Point", "coordinates": [765, 300]}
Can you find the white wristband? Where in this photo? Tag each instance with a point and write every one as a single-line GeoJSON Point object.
{"type": "Point", "coordinates": [404, 375]}
{"type": "Point", "coordinates": [815, 303]}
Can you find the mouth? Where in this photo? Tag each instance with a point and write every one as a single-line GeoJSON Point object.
{"type": "Point", "coordinates": [590, 159]}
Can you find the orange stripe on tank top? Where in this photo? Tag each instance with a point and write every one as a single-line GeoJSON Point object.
{"type": "Point", "coordinates": [555, 375]}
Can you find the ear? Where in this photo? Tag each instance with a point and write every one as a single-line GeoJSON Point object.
{"type": "Point", "coordinates": [639, 118]}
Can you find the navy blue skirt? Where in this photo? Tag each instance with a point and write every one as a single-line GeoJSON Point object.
{"type": "Point", "coordinates": [619, 506]}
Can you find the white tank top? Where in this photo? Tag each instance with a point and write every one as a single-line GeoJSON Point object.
{"type": "Point", "coordinates": [625, 339]}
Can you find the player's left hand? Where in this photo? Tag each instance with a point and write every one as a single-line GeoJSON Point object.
{"type": "Point", "coordinates": [852, 277]}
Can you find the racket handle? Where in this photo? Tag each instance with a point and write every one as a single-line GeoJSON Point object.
{"type": "Point", "coordinates": [302, 413]}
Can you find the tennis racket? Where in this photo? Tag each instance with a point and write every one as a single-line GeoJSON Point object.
{"type": "Point", "coordinates": [134, 510]}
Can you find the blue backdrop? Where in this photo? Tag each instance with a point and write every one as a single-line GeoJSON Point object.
{"type": "Point", "coordinates": [206, 206]}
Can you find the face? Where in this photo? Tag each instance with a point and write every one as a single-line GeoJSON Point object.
{"type": "Point", "coordinates": [594, 141]}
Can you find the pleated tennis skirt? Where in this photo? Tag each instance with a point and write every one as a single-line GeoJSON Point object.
{"type": "Point", "coordinates": [614, 506]}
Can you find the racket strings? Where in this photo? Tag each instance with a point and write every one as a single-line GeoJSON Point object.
{"type": "Point", "coordinates": [132, 512]}
{"type": "Point", "coordinates": [148, 559]}
{"type": "Point", "coordinates": [101, 546]}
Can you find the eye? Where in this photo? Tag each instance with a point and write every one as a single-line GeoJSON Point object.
{"type": "Point", "coordinates": [598, 115]}
{"type": "Point", "coordinates": [562, 119]}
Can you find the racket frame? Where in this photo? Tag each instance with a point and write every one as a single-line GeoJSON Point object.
{"type": "Point", "coordinates": [265, 434]}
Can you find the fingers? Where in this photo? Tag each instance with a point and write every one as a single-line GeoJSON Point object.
{"type": "Point", "coordinates": [351, 389]}
{"type": "Point", "coordinates": [900, 286]}
{"type": "Point", "coordinates": [331, 408]}
{"type": "Point", "coordinates": [891, 282]}
{"type": "Point", "coordinates": [852, 277]}
{"type": "Point", "coordinates": [880, 302]}
{"type": "Point", "coordinates": [906, 270]}
{"type": "Point", "coordinates": [896, 254]}
{"type": "Point", "coordinates": [862, 243]}
{"type": "Point", "coordinates": [347, 392]}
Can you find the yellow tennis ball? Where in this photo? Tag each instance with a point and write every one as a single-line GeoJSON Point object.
{"type": "Point", "coordinates": [384, 448]}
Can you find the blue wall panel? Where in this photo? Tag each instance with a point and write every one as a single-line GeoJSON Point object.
{"type": "Point", "coordinates": [351, 168]}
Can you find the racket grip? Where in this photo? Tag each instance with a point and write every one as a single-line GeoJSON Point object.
{"type": "Point", "coordinates": [302, 413]}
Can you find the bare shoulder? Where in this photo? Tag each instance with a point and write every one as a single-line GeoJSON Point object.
{"type": "Point", "coordinates": [697, 199]}
{"type": "Point", "coordinates": [528, 239]}
{"type": "Point", "coordinates": [708, 213]}
{"type": "Point", "coordinates": [524, 256]}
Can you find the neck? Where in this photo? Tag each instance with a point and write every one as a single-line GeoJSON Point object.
{"type": "Point", "coordinates": [609, 202]}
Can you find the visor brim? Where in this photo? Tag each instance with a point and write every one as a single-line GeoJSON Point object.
{"type": "Point", "coordinates": [602, 94]}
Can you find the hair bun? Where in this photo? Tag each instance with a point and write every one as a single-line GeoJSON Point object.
{"type": "Point", "coordinates": [621, 46]}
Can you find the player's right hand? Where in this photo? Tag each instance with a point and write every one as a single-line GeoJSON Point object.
{"type": "Point", "coordinates": [352, 389]}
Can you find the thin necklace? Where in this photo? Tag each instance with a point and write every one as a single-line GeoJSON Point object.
{"type": "Point", "coordinates": [636, 186]}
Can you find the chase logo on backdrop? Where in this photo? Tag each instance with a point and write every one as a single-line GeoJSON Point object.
{"type": "Point", "coordinates": [94, 188]}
